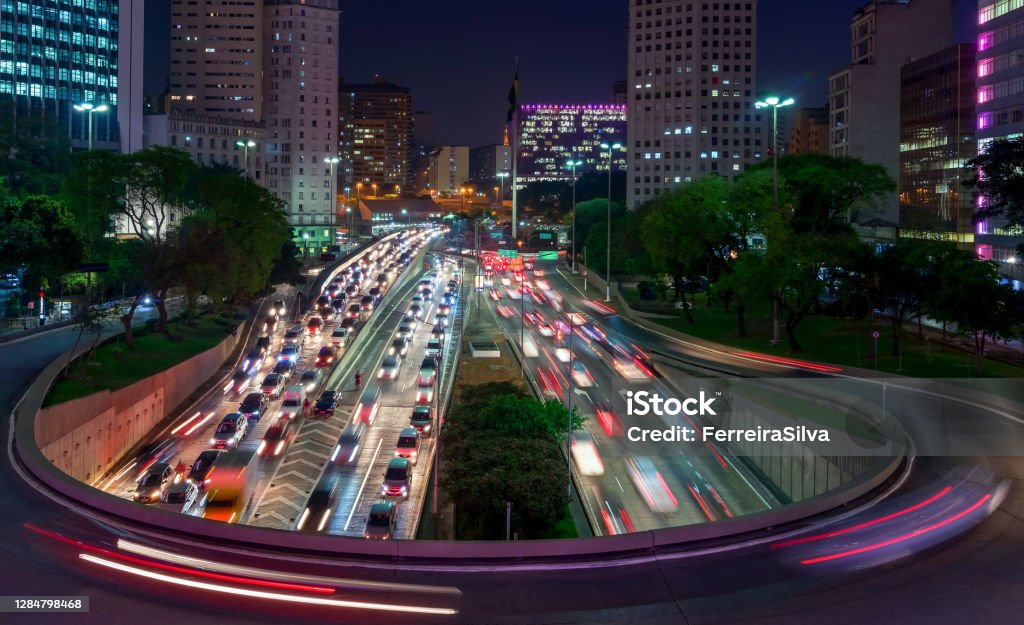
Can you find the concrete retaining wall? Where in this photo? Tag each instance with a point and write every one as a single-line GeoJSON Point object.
{"type": "Point", "coordinates": [85, 436]}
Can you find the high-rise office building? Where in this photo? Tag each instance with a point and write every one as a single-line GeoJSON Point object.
{"type": "Point", "coordinates": [1000, 110]}
{"type": "Point", "coordinates": [692, 86]}
{"type": "Point", "coordinates": [864, 97]}
{"type": "Point", "coordinates": [936, 140]}
{"type": "Point", "coordinates": [262, 73]}
{"type": "Point", "coordinates": [375, 134]}
{"type": "Point", "coordinates": [448, 169]}
{"type": "Point", "coordinates": [552, 134]}
{"type": "Point", "coordinates": [808, 132]}
{"type": "Point", "coordinates": [54, 55]}
{"type": "Point", "coordinates": [487, 161]}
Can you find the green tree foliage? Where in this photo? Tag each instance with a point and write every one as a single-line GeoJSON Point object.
{"type": "Point", "coordinates": [594, 185]}
{"type": "Point", "coordinates": [503, 446]}
{"type": "Point", "coordinates": [93, 192]}
{"type": "Point", "coordinates": [35, 148]}
{"type": "Point", "coordinates": [38, 233]}
{"type": "Point", "coordinates": [998, 176]}
{"type": "Point", "coordinates": [288, 268]}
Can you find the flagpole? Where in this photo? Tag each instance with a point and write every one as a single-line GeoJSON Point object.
{"type": "Point", "coordinates": [515, 157]}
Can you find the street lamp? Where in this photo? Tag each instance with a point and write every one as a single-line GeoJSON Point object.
{"type": "Point", "coordinates": [305, 245]}
{"type": "Point", "coordinates": [374, 186]}
{"type": "Point", "coordinates": [775, 105]}
{"type": "Point", "coordinates": [408, 217]}
{"type": "Point", "coordinates": [573, 165]}
{"type": "Point", "coordinates": [89, 108]}
{"type": "Point", "coordinates": [245, 145]}
{"type": "Point", "coordinates": [608, 252]}
{"type": "Point", "coordinates": [332, 161]}
{"type": "Point", "coordinates": [348, 210]}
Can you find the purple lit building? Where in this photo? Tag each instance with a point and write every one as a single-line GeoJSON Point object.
{"type": "Point", "coordinates": [552, 134]}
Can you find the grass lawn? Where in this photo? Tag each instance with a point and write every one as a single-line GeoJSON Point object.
{"type": "Point", "coordinates": [116, 365]}
{"type": "Point", "coordinates": [842, 342]}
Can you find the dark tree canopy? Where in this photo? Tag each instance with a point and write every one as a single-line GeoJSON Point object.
{"type": "Point", "coordinates": [997, 176]}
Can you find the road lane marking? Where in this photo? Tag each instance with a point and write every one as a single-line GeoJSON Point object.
{"type": "Point", "coordinates": [359, 495]}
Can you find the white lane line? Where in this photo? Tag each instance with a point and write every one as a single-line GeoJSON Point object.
{"type": "Point", "coordinates": [359, 495]}
{"type": "Point", "coordinates": [619, 483]}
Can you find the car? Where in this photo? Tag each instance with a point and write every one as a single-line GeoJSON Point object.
{"type": "Point", "coordinates": [428, 371]}
{"type": "Point", "coordinates": [278, 308]}
{"type": "Point", "coordinates": [323, 300]}
{"type": "Point", "coordinates": [399, 346]}
{"type": "Point", "coordinates": [424, 394]}
{"type": "Point", "coordinates": [353, 311]}
{"type": "Point", "coordinates": [414, 311]}
{"type": "Point", "coordinates": [437, 332]}
{"type": "Point", "coordinates": [285, 368]}
{"type": "Point", "coordinates": [326, 313]}
{"type": "Point", "coordinates": [265, 343]}
{"type": "Point", "coordinates": [348, 323]}
{"type": "Point", "coordinates": [505, 311]}
{"type": "Point", "coordinates": [376, 293]}
{"type": "Point", "coordinates": [444, 309]}
{"type": "Point", "coordinates": [276, 438]}
{"type": "Point", "coordinates": [427, 294]}
{"type": "Point", "coordinates": [339, 337]}
{"type": "Point", "coordinates": [380, 524]}
{"type": "Point", "coordinates": [494, 294]}
{"type": "Point", "coordinates": [320, 505]}
{"type": "Point", "coordinates": [153, 484]}
{"type": "Point", "coordinates": [295, 334]}
{"type": "Point", "coordinates": [310, 379]}
{"type": "Point", "coordinates": [253, 406]}
{"type": "Point", "coordinates": [290, 351]}
{"type": "Point", "coordinates": [390, 367]}
{"type": "Point", "coordinates": [315, 325]}
{"type": "Point", "coordinates": [434, 348]}
{"type": "Point", "coordinates": [293, 401]}
{"type": "Point", "coordinates": [349, 444]}
{"type": "Point", "coordinates": [545, 329]}
{"type": "Point", "coordinates": [326, 403]}
{"type": "Point", "coordinates": [397, 478]}
{"type": "Point", "coordinates": [351, 290]}
{"type": "Point", "coordinates": [338, 303]}
{"type": "Point", "coordinates": [441, 319]}
{"type": "Point", "coordinates": [230, 431]}
{"type": "Point", "coordinates": [272, 385]}
{"type": "Point", "coordinates": [422, 419]}
{"type": "Point", "coordinates": [240, 381]}
{"type": "Point", "coordinates": [585, 455]}
{"type": "Point", "coordinates": [181, 495]}
{"type": "Point", "coordinates": [327, 356]}
{"type": "Point", "coordinates": [366, 304]}
{"type": "Point", "coordinates": [270, 323]}
{"type": "Point", "coordinates": [417, 299]}
{"type": "Point", "coordinates": [404, 331]}
{"type": "Point", "coordinates": [580, 375]}
{"type": "Point", "coordinates": [254, 359]}
{"type": "Point", "coordinates": [408, 445]}
{"type": "Point", "coordinates": [650, 484]}
{"type": "Point", "coordinates": [369, 405]}
{"type": "Point", "coordinates": [202, 466]}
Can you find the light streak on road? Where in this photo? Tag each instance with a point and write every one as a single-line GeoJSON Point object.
{"type": "Point", "coordinates": [199, 424]}
{"type": "Point", "coordinates": [366, 477]}
{"type": "Point", "coordinates": [186, 422]}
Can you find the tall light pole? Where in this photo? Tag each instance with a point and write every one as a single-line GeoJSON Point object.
{"type": "Point", "coordinates": [501, 176]}
{"type": "Point", "coordinates": [305, 245]}
{"type": "Point", "coordinates": [408, 217]}
{"type": "Point", "coordinates": [608, 251]}
{"type": "Point", "coordinates": [89, 109]}
{"type": "Point", "coordinates": [332, 161]}
{"type": "Point", "coordinates": [374, 187]}
{"type": "Point", "coordinates": [573, 165]}
{"type": "Point", "coordinates": [348, 209]}
{"type": "Point", "coordinates": [245, 145]}
{"type": "Point", "coordinates": [775, 104]}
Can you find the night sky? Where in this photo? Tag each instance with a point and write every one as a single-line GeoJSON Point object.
{"type": "Point", "coordinates": [458, 56]}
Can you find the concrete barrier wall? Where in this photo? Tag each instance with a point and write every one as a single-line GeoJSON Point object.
{"type": "Point", "coordinates": [85, 436]}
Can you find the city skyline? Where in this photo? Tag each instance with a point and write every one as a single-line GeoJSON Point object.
{"type": "Point", "coordinates": [556, 70]}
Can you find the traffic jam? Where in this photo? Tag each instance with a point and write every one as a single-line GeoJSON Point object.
{"type": "Point", "coordinates": [626, 487]}
{"type": "Point", "coordinates": [212, 462]}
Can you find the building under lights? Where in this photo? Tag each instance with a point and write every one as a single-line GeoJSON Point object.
{"type": "Point", "coordinates": [54, 55]}
{"type": "Point", "coordinates": [1000, 110]}
{"type": "Point", "coordinates": [692, 86]}
{"type": "Point", "coordinates": [552, 134]}
{"type": "Point", "coordinates": [375, 135]}
{"type": "Point", "coordinates": [936, 140]}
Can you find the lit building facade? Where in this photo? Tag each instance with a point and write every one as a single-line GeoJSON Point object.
{"type": "Point", "coordinates": [808, 132]}
{"type": "Point", "coordinates": [375, 134]}
{"type": "Point", "coordinates": [1000, 110]}
{"type": "Point", "coordinates": [552, 134]}
{"type": "Point", "coordinates": [864, 97]}
{"type": "Point", "coordinates": [448, 169]}
{"type": "Point", "coordinates": [54, 55]}
{"type": "Point", "coordinates": [936, 140]}
{"type": "Point", "coordinates": [692, 86]}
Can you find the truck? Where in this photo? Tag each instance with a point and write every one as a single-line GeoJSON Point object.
{"type": "Point", "coordinates": [230, 485]}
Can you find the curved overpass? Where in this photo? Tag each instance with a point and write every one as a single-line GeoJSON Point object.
{"type": "Point", "coordinates": [713, 586]}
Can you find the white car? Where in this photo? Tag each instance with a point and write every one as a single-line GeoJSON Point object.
{"type": "Point", "coordinates": [585, 455]}
{"type": "Point", "coordinates": [651, 486]}
{"type": "Point", "coordinates": [530, 347]}
{"type": "Point", "coordinates": [581, 376]}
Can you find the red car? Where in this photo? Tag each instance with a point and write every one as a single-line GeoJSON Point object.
{"type": "Point", "coordinates": [327, 355]}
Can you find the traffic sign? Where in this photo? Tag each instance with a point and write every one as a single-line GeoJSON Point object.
{"type": "Point", "coordinates": [545, 236]}
{"type": "Point", "coordinates": [508, 253]}
{"type": "Point", "coordinates": [548, 255]}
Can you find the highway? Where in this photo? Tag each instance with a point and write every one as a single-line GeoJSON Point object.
{"type": "Point", "coordinates": [974, 579]}
{"type": "Point", "coordinates": [702, 484]}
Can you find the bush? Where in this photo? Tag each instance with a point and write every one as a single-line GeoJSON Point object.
{"type": "Point", "coordinates": [151, 324]}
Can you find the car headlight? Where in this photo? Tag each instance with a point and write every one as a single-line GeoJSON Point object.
{"type": "Point", "coordinates": [213, 441]}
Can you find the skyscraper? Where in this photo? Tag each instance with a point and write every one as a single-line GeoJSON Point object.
{"type": "Point", "coordinates": [936, 140]}
{"type": "Point", "coordinates": [260, 79]}
{"type": "Point", "coordinates": [1000, 109]}
{"type": "Point", "coordinates": [54, 56]}
{"type": "Point", "coordinates": [864, 97]}
{"type": "Point", "coordinates": [375, 134]}
{"type": "Point", "coordinates": [552, 134]}
{"type": "Point", "coordinates": [692, 83]}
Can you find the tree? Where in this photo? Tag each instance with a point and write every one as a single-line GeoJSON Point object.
{"type": "Point", "coordinates": [93, 192]}
{"type": "Point", "coordinates": [594, 185]}
{"type": "Point", "coordinates": [998, 178]}
{"type": "Point", "coordinates": [288, 268]}
{"type": "Point", "coordinates": [89, 318]}
{"type": "Point", "coordinates": [38, 233]}
{"type": "Point", "coordinates": [907, 273]}
{"type": "Point", "coordinates": [156, 180]}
